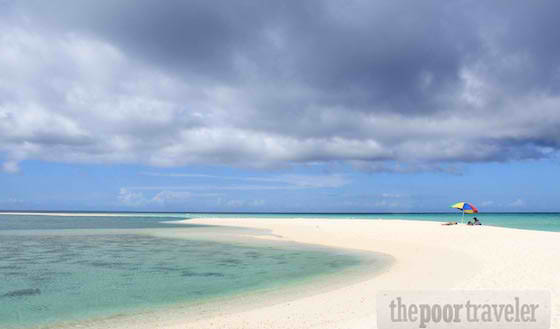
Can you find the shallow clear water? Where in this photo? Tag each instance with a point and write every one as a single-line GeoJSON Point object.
{"type": "Point", "coordinates": [96, 221]}
{"type": "Point", "coordinates": [70, 274]}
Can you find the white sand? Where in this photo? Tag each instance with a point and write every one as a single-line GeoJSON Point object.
{"type": "Point", "coordinates": [428, 256]}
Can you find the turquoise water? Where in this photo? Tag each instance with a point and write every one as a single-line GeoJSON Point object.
{"type": "Point", "coordinates": [63, 270]}
{"type": "Point", "coordinates": [68, 269]}
{"type": "Point", "coordinates": [527, 221]}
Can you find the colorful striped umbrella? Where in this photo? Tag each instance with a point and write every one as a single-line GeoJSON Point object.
{"type": "Point", "coordinates": [467, 208]}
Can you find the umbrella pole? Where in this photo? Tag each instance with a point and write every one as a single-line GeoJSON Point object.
{"type": "Point", "coordinates": [463, 219]}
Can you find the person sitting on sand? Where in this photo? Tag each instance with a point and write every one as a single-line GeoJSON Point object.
{"type": "Point", "coordinates": [450, 223]}
{"type": "Point", "coordinates": [476, 222]}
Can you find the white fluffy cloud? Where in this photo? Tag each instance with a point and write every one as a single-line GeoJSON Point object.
{"type": "Point", "coordinates": [131, 198]}
{"type": "Point", "coordinates": [256, 93]}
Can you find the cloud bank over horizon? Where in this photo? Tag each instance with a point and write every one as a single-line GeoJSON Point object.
{"type": "Point", "coordinates": [400, 86]}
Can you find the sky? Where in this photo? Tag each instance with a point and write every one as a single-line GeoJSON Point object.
{"type": "Point", "coordinates": [284, 106]}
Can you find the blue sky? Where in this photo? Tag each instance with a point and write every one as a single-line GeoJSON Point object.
{"type": "Point", "coordinates": [521, 186]}
{"type": "Point", "coordinates": [298, 106]}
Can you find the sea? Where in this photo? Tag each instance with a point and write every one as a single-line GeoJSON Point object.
{"type": "Point", "coordinates": [70, 269]}
{"type": "Point", "coordinates": [92, 270]}
{"type": "Point", "coordinates": [537, 221]}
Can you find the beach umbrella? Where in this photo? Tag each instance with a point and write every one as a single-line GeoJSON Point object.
{"type": "Point", "coordinates": [466, 208]}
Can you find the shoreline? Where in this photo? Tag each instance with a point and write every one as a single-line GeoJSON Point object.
{"type": "Point", "coordinates": [428, 256]}
{"type": "Point", "coordinates": [531, 221]}
{"type": "Point", "coordinates": [184, 312]}
{"type": "Point", "coordinates": [283, 288]}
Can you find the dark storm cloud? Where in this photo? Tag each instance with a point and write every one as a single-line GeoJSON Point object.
{"type": "Point", "coordinates": [184, 37]}
{"type": "Point", "coordinates": [526, 34]}
{"type": "Point", "coordinates": [272, 83]}
{"type": "Point", "coordinates": [363, 56]}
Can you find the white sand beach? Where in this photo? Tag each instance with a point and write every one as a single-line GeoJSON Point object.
{"type": "Point", "coordinates": [428, 256]}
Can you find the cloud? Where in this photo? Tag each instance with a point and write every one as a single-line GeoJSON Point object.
{"type": "Point", "coordinates": [386, 204]}
{"type": "Point", "coordinates": [245, 187]}
{"type": "Point", "coordinates": [11, 201]}
{"type": "Point", "coordinates": [397, 87]}
{"type": "Point", "coordinates": [132, 199]}
{"type": "Point", "coordinates": [377, 204]}
{"type": "Point", "coordinates": [391, 195]}
{"type": "Point", "coordinates": [309, 181]}
{"type": "Point", "coordinates": [235, 203]}
{"type": "Point", "coordinates": [287, 181]}
{"type": "Point", "coordinates": [173, 196]}
{"type": "Point", "coordinates": [10, 167]}
{"type": "Point", "coordinates": [518, 203]}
